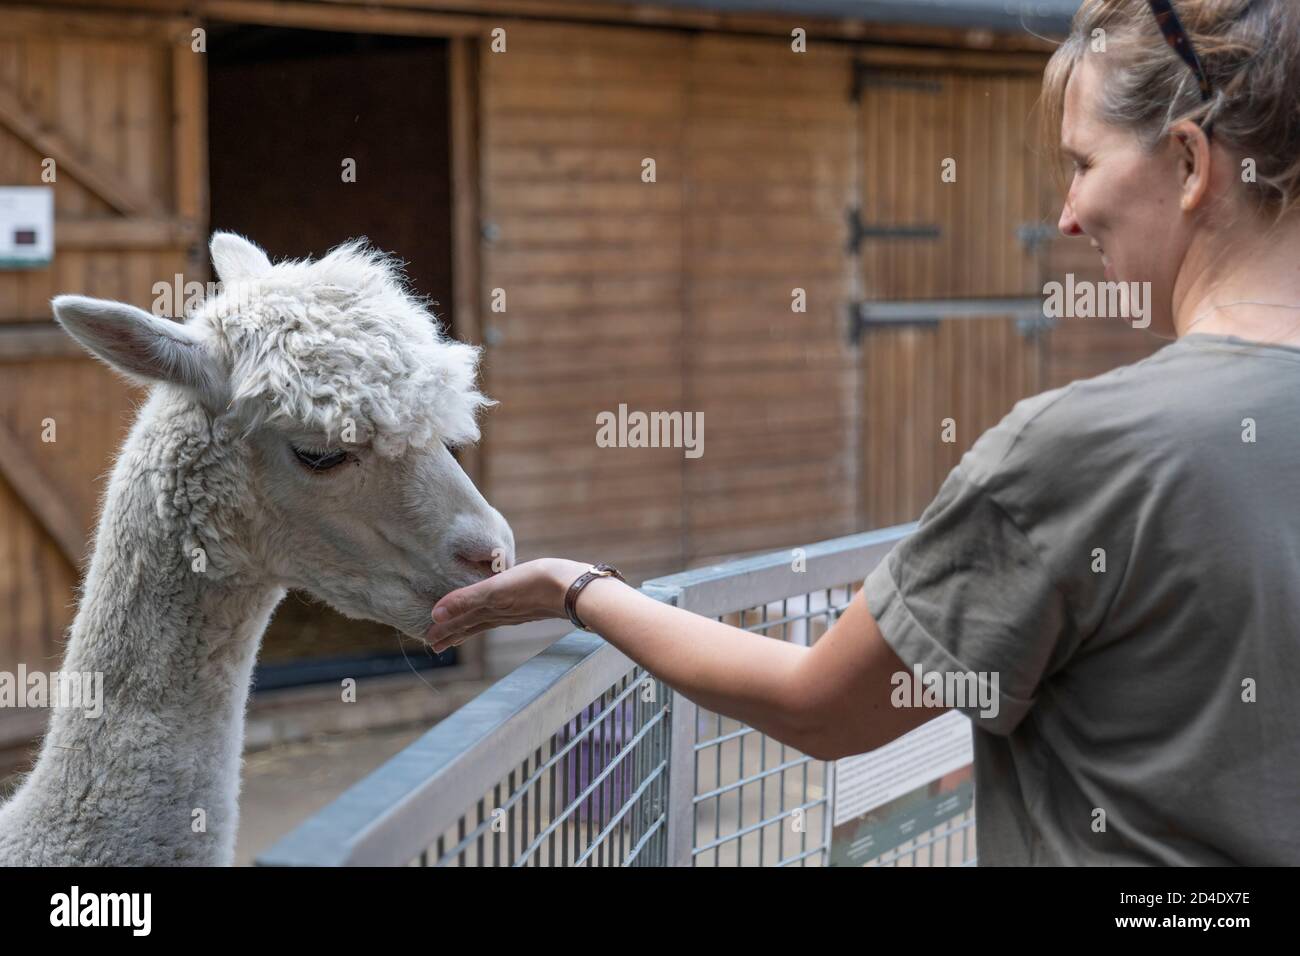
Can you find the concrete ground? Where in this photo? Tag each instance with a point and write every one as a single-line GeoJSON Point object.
{"type": "Point", "coordinates": [285, 783]}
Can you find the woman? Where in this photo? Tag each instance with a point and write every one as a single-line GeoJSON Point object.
{"type": "Point", "coordinates": [1117, 560]}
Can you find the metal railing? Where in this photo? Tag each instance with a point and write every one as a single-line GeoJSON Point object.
{"type": "Point", "coordinates": [579, 757]}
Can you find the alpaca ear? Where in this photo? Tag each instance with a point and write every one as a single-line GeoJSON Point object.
{"type": "Point", "coordinates": [140, 345]}
{"type": "Point", "coordinates": [236, 258]}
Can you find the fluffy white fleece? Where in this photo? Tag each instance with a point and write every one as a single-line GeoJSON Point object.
{"type": "Point", "coordinates": [293, 349]}
{"type": "Point", "coordinates": [318, 342]}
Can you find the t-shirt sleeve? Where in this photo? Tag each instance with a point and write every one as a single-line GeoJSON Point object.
{"type": "Point", "coordinates": [969, 592]}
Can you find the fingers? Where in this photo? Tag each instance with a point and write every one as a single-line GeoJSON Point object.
{"type": "Point", "coordinates": [462, 601]}
{"type": "Point", "coordinates": [514, 596]}
{"type": "Point", "coordinates": [468, 611]}
{"type": "Point", "coordinates": [459, 618]}
{"type": "Point", "coordinates": [455, 640]}
{"type": "Point", "coordinates": [479, 617]}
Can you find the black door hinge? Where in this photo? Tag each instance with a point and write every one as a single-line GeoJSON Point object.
{"type": "Point", "coordinates": [860, 231]}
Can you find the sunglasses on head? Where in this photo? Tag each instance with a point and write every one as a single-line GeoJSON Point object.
{"type": "Point", "coordinates": [1177, 38]}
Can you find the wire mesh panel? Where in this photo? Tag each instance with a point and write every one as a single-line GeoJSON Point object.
{"type": "Point", "coordinates": [760, 803]}
{"type": "Point", "coordinates": [757, 801]}
{"type": "Point", "coordinates": [952, 844]}
{"type": "Point", "coordinates": [528, 775]}
{"type": "Point", "coordinates": [593, 795]}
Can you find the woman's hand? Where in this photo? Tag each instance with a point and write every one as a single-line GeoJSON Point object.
{"type": "Point", "coordinates": [532, 591]}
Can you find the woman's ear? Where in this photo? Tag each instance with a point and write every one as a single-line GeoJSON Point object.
{"type": "Point", "coordinates": [1194, 157]}
{"type": "Point", "coordinates": [141, 346]}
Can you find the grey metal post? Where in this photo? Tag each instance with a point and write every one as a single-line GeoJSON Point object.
{"type": "Point", "coordinates": [681, 758]}
{"type": "Point", "coordinates": [681, 782]}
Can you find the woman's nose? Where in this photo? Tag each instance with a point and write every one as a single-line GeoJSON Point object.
{"type": "Point", "coordinates": [1068, 224]}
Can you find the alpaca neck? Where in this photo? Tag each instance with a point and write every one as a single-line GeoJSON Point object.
{"type": "Point", "coordinates": [155, 778]}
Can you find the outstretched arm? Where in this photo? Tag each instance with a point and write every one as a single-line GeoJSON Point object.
{"type": "Point", "coordinates": [828, 701]}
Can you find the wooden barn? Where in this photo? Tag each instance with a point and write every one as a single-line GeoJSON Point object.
{"type": "Point", "coordinates": [825, 226]}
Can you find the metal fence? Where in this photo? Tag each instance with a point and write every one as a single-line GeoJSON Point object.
{"type": "Point", "coordinates": [579, 757]}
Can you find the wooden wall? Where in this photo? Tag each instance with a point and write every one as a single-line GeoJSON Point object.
{"type": "Point", "coordinates": [116, 102]}
{"type": "Point", "coordinates": [770, 165]}
{"type": "Point", "coordinates": [676, 295]}
{"type": "Point", "coordinates": [671, 295]}
{"type": "Point", "coordinates": [590, 261]}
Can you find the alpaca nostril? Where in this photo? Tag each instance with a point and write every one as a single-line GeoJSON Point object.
{"type": "Point", "coordinates": [483, 561]}
{"type": "Point", "coordinates": [484, 554]}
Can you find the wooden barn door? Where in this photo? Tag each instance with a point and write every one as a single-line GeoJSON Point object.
{"type": "Point", "coordinates": [944, 267]}
{"type": "Point", "coordinates": [115, 102]}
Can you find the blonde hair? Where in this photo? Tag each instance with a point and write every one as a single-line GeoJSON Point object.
{"type": "Point", "coordinates": [1250, 51]}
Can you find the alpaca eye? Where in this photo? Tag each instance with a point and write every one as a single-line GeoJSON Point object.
{"type": "Point", "coordinates": [320, 460]}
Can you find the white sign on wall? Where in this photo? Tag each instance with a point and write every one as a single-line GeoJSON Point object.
{"type": "Point", "coordinates": [920, 782]}
{"type": "Point", "coordinates": [26, 227]}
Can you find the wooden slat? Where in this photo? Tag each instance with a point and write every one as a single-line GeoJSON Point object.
{"type": "Point", "coordinates": [123, 234]}
{"type": "Point", "coordinates": [521, 229]}
{"type": "Point", "coordinates": [591, 260]}
{"type": "Point", "coordinates": [26, 479]}
{"type": "Point", "coordinates": [771, 172]}
{"type": "Point", "coordinates": [24, 341]}
{"type": "Point", "coordinates": [93, 92]}
{"type": "Point", "coordinates": [36, 583]}
{"type": "Point", "coordinates": [349, 19]}
{"type": "Point", "coordinates": [71, 200]}
{"type": "Point", "coordinates": [1029, 63]}
{"type": "Point", "coordinates": [601, 260]}
{"type": "Point", "coordinates": [907, 35]}
{"type": "Point", "coordinates": [710, 544]}
{"type": "Point", "coordinates": [36, 87]}
{"type": "Point", "coordinates": [26, 21]}
{"type": "Point", "coordinates": [189, 145]}
{"type": "Point", "coordinates": [89, 170]}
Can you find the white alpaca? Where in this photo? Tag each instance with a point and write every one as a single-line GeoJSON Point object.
{"type": "Point", "coordinates": [295, 434]}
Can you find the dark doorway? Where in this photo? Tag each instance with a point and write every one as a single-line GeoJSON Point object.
{"type": "Point", "coordinates": [285, 109]}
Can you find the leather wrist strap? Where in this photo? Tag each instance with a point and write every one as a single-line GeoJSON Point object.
{"type": "Point", "coordinates": [571, 595]}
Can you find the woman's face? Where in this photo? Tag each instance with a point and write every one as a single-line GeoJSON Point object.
{"type": "Point", "coordinates": [1125, 199]}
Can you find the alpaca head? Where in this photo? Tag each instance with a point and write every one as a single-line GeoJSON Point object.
{"type": "Point", "coordinates": [326, 392]}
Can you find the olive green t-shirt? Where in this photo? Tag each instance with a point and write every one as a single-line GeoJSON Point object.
{"type": "Point", "coordinates": [1124, 554]}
